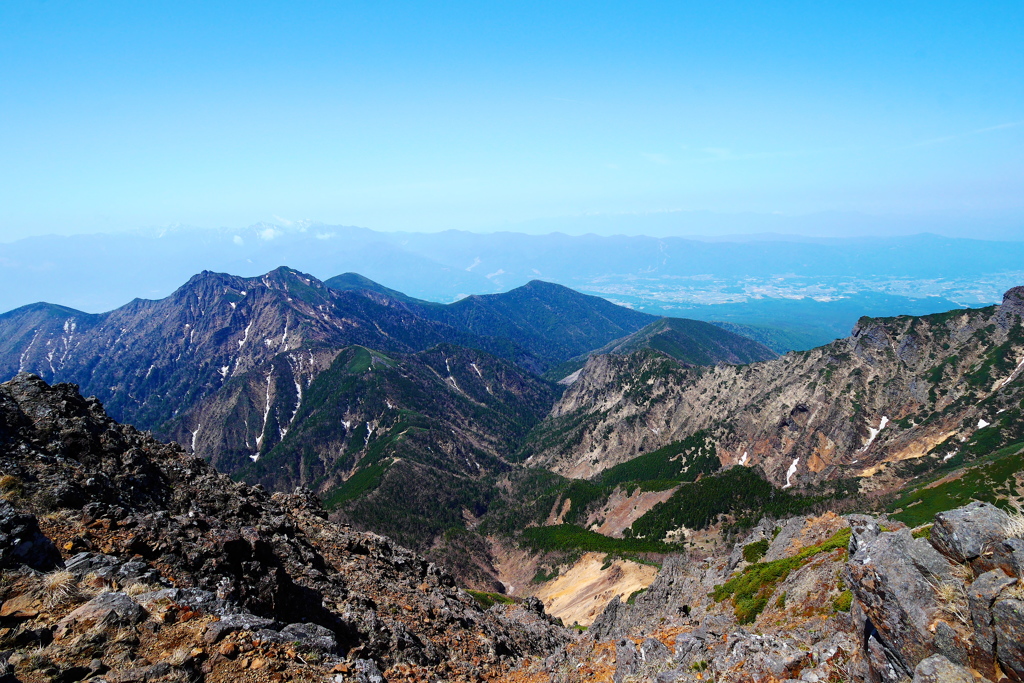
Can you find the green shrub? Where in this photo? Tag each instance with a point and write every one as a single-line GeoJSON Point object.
{"type": "Point", "coordinates": [752, 552]}
{"type": "Point", "coordinates": [843, 601]}
{"type": "Point", "coordinates": [486, 600]}
{"type": "Point", "coordinates": [572, 537]}
{"type": "Point", "coordinates": [923, 532]}
{"type": "Point", "coordinates": [751, 588]}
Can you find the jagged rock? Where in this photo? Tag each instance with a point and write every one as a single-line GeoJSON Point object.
{"type": "Point", "coordinates": [863, 530]}
{"type": "Point", "coordinates": [761, 657]}
{"type": "Point", "coordinates": [157, 516]}
{"type": "Point", "coordinates": [196, 600]}
{"type": "Point", "coordinates": [604, 627]}
{"type": "Point", "coordinates": [938, 669]}
{"type": "Point", "coordinates": [236, 622]}
{"type": "Point", "coordinates": [1012, 550]}
{"type": "Point", "coordinates": [627, 660]}
{"type": "Point", "coordinates": [688, 647]}
{"type": "Point", "coordinates": [969, 533]}
{"type": "Point", "coordinates": [981, 595]}
{"type": "Point", "coordinates": [654, 652]}
{"type": "Point", "coordinates": [21, 541]}
{"type": "Point", "coordinates": [891, 576]}
{"type": "Point", "coordinates": [313, 636]}
{"type": "Point", "coordinates": [1008, 624]}
{"type": "Point", "coordinates": [367, 672]}
{"type": "Point", "coordinates": [106, 609]}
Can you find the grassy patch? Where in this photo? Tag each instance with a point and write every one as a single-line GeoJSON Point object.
{"type": "Point", "coordinates": [741, 491]}
{"type": "Point", "coordinates": [679, 461]}
{"type": "Point", "coordinates": [487, 600]}
{"type": "Point", "coordinates": [572, 537]}
{"type": "Point", "coordinates": [751, 588]}
{"type": "Point", "coordinates": [843, 601]}
{"type": "Point", "coordinates": [634, 595]}
{"type": "Point", "coordinates": [991, 481]}
{"type": "Point", "coordinates": [752, 552]}
{"type": "Point", "coordinates": [543, 577]}
{"type": "Point", "coordinates": [359, 483]}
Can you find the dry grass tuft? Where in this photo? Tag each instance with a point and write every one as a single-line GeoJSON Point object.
{"type": "Point", "coordinates": [61, 586]}
{"type": "Point", "coordinates": [1013, 527]}
{"type": "Point", "coordinates": [952, 599]}
{"type": "Point", "coordinates": [962, 572]}
{"type": "Point", "coordinates": [139, 588]}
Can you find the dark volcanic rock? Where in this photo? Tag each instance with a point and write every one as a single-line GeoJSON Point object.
{"type": "Point", "coordinates": [229, 557]}
{"type": "Point", "coordinates": [21, 542]}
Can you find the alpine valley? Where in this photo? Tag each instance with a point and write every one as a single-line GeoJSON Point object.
{"type": "Point", "coordinates": [708, 508]}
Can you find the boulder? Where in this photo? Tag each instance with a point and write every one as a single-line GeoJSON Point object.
{"type": "Point", "coordinates": [938, 669]}
{"type": "Point", "coordinates": [235, 622]}
{"type": "Point", "coordinates": [1008, 624]}
{"type": "Point", "coordinates": [627, 660]}
{"type": "Point", "coordinates": [981, 594]}
{"type": "Point", "coordinates": [313, 636]}
{"type": "Point", "coordinates": [367, 672]}
{"type": "Point", "coordinates": [970, 534]}
{"type": "Point", "coordinates": [105, 610]}
{"type": "Point", "coordinates": [22, 543]}
{"type": "Point", "coordinates": [891, 575]}
{"type": "Point", "coordinates": [654, 652]}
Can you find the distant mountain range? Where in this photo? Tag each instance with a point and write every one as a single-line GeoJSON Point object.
{"type": "Point", "coordinates": [348, 387]}
{"type": "Point", "coordinates": [808, 291]}
{"type": "Point", "coordinates": [540, 414]}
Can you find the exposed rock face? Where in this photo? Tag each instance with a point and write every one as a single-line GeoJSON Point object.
{"type": "Point", "coordinates": [930, 608]}
{"type": "Point", "coordinates": [896, 389]}
{"type": "Point", "coordinates": [192, 556]}
{"type": "Point", "coordinates": [916, 608]}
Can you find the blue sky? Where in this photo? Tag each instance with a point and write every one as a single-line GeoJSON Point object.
{"type": "Point", "coordinates": [425, 116]}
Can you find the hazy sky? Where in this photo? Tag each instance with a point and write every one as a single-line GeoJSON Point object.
{"type": "Point", "coordinates": [478, 115]}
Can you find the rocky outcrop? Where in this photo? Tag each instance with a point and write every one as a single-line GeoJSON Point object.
{"type": "Point", "coordinates": [930, 607]}
{"type": "Point", "coordinates": [887, 605]}
{"type": "Point", "coordinates": [897, 389]}
{"type": "Point", "coordinates": [158, 553]}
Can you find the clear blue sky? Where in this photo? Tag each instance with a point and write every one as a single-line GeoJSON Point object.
{"type": "Point", "coordinates": [476, 115]}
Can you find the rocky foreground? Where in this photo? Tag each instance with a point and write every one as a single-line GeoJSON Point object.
{"type": "Point", "coordinates": [125, 559]}
{"type": "Point", "coordinates": [830, 598]}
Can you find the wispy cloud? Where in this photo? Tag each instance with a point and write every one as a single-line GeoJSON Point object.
{"type": "Point", "coordinates": [949, 138]}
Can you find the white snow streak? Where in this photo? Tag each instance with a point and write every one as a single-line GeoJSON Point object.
{"type": "Point", "coordinates": [1020, 366]}
{"type": "Point", "coordinates": [743, 460]}
{"type": "Point", "coordinates": [24, 354]}
{"type": "Point", "coordinates": [478, 373]}
{"type": "Point", "coordinates": [224, 370]}
{"type": "Point", "coordinates": [791, 472]}
{"type": "Point", "coordinates": [982, 424]}
{"type": "Point", "coordinates": [194, 435]}
{"type": "Point", "coordinates": [245, 338]}
{"type": "Point", "coordinates": [266, 418]}
{"type": "Point", "coordinates": [872, 432]}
